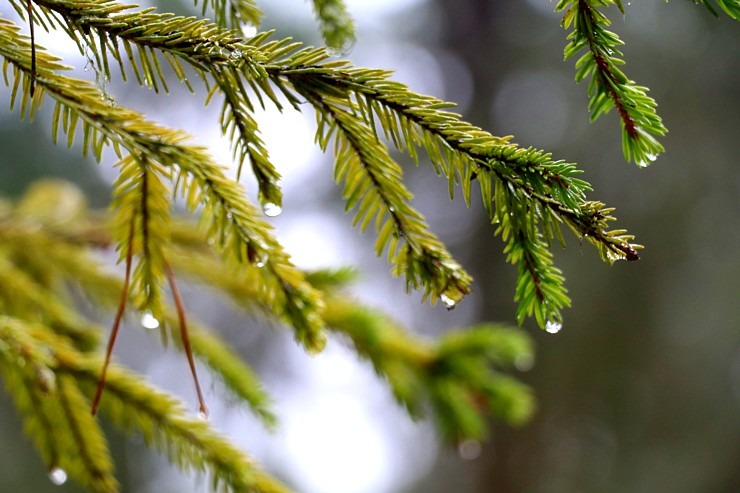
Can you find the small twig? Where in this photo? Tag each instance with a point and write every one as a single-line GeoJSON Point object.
{"type": "Point", "coordinates": [29, 6]}
{"type": "Point", "coordinates": [117, 321]}
{"type": "Point", "coordinates": [179, 305]}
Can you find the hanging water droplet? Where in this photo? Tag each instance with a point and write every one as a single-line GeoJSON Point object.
{"type": "Point", "coordinates": [58, 476]}
{"type": "Point", "coordinates": [524, 362]}
{"type": "Point", "coordinates": [647, 159]}
{"type": "Point", "coordinates": [236, 55]}
{"type": "Point", "coordinates": [203, 415]}
{"type": "Point", "coordinates": [469, 449]}
{"type": "Point", "coordinates": [447, 301]}
{"type": "Point", "coordinates": [261, 260]}
{"type": "Point", "coordinates": [47, 379]}
{"type": "Point", "coordinates": [614, 256]}
{"type": "Point", "coordinates": [249, 30]}
{"type": "Point", "coordinates": [271, 210]}
{"type": "Point", "coordinates": [553, 327]}
{"type": "Point", "coordinates": [149, 321]}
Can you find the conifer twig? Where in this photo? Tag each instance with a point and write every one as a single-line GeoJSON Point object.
{"type": "Point", "coordinates": [185, 335]}
{"type": "Point", "coordinates": [117, 321]}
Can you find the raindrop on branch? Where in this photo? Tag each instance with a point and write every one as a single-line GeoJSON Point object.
{"type": "Point", "coordinates": [47, 379]}
{"type": "Point", "coordinates": [58, 476]}
{"type": "Point", "coordinates": [553, 327]}
{"type": "Point", "coordinates": [248, 30]}
{"type": "Point", "coordinates": [469, 449]}
{"type": "Point", "coordinates": [149, 321]}
{"type": "Point", "coordinates": [646, 160]}
{"type": "Point", "coordinates": [447, 301]}
{"type": "Point", "coordinates": [271, 210]}
{"type": "Point", "coordinates": [524, 362]}
{"type": "Point", "coordinates": [261, 260]}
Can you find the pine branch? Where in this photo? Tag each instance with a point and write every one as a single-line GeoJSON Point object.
{"type": "Point", "coordinates": [233, 13]}
{"type": "Point", "coordinates": [459, 150]}
{"type": "Point", "coordinates": [513, 181]}
{"type": "Point", "coordinates": [456, 376]}
{"type": "Point", "coordinates": [132, 406]}
{"type": "Point", "coordinates": [231, 220]}
{"type": "Point", "coordinates": [730, 7]}
{"type": "Point", "coordinates": [609, 87]}
{"type": "Point", "coordinates": [163, 424]}
{"type": "Point", "coordinates": [56, 413]}
{"type": "Point", "coordinates": [373, 183]}
{"type": "Point", "coordinates": [337, 26]}
{"type": "Point", "coordinates": [35, 249]}
{"type": "Point", "coordinates": [415, 369]}
{"type": "Point", "coordinates": [141, 196]}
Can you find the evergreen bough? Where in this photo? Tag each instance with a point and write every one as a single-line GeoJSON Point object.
{"type": "Point", "coordinates": [50, 360]}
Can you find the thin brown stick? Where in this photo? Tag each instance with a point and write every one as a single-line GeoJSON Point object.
{"type": "Point", "coordinates": [117, 321]}
{"type": "Point", "coordinates": [179, 305]}
{"type": "Point", "coordinates": [29, 6]}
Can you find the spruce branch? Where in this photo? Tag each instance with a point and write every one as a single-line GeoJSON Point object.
{"type": "Point", "coordinates": [730, 7]}
{"type": "Point", "coordinates": [514, 181]}
{"type": "Point", "coordinates": [230, 219]}
{"type": "Point", "coordinates": [460, 376]}
{"type": "Point", "coordinates": [61, 252]}
{"type": "Point", "coordinates": [459, 150]}
{"type": "Point", "coordinates": [233, 13]}
{"type": "Point", "coordinates": [56, 413]}
{"type": "Point", "coordinates": [337, 26]}
{"type": "Point", "coordinates": [373, 184]}
{"type": "Point", "coordinates": [142, 202]}
{"type": "Point", "coordinates": [132, 406]}
{"type": "Point", "coordinates": [413, 368]}
{"type": "Point", "coordinates": [609, 87]}
{"type": "Point", "coordinates": [161, 421]}
{"type": "Point", "coordinates": [47, 357]}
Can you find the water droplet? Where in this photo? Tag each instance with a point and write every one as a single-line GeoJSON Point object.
{"type": "Point", "coordinates": [261, 260]}
{"type": "Point", "coordinates": [553, 327]}
{"type": "Point", "coordinates": [58, 476]}
{"type": "Point", "coordinates": [47, 379]}
{"type": "Point", "coordinates": [343, 50]}
{"type": "Point", "coordinates": [647, 159]}
{"type": "Point", "coordinates": [447, 301]}
{"type": "Point", "coordinates": [524, 362]}
{"type": "Point", "coordinates": [469, 449]}
{"type": "Point", "coordinates": [271, 210]}
{"type": "Point", "coordinates": [149, 321]}
{"type": "Point", "coordinates": [614, 256]}
{"type": "Point", "coordinates": [203, 415]}
{"type": "Point", "coordinates": [236, 55]}
{"type": "Point", "coordinates": [249, 30]}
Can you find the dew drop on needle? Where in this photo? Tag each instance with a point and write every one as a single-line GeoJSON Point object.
{"type": "Point", "coordinates": [272, 210]}
{"type": "Point", "coordinates": [58, 476]}
{"type": "Point", "coordinates": [149, 321]}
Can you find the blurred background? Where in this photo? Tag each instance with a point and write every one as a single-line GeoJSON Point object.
{"type": "Point", "coordinates": [640, 391]}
